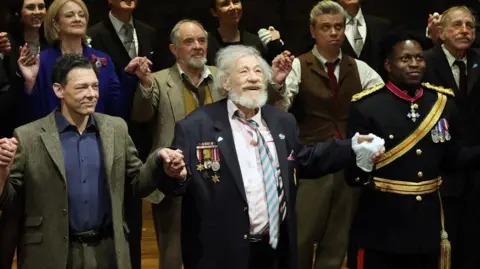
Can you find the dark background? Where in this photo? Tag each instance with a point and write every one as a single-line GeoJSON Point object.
{"type": "Point", "coordinates": [289, 16]}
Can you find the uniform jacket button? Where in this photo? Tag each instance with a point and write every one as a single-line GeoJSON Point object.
{"type": "Point", "coordinates": [419, 152]}
{"type": "Point", "coordinates": [419, 198]}
{"type": "Point", "coordinates": [357, 179]}
{"type": "Point", "coordinates": [420, 174]}
{"type": "Point", "coordinates": [64, 211]}
{"type": "Point", "coordinates": [65, 238]}
{"type": "Point", "coordinates": [245, 236]}
{"type": "Point", "coordinates": [391, 136]}
{"type": "Point", "coordinates": [245, 209]}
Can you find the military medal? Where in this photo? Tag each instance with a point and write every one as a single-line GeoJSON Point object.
{"type": "Point", "coordinates": [216, 160]}
{"type": "Point", "coordinates": [216, 178]}
{"type": "Point", "coordinates": [412, 114]}
{"type": "Point", "coordinates": [447, 135]}
{"type": "Point", "coordinates": [441, 134]}
{"type": "Point", "coordinates": [200, 166]}
{"type": "Point", "coordinates": [434, 132]}
{"type": "Point", "coordinates": [207, 155]}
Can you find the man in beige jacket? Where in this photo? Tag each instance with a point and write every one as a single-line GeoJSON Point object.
{"type": "Point", "coordinates": [164, 98]}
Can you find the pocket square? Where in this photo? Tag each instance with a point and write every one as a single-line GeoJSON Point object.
{"type": "Point", "coordinates": [290, 157]}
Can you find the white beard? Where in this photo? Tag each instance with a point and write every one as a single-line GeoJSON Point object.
{"type": "Point", "coordinates": [197, 63]}
{"type": "Point", "coordinates": [246, 101]}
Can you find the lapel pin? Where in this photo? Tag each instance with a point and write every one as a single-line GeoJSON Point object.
{"type": "Point", "coordinates": [220, 139]}
{"type": "Point", "coordinates": [281, 136]}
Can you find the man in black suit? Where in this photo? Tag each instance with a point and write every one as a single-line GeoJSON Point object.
{"type": "Point", "coordinates": [124, 38]}
{"type": "Point", "coordinates": [363, 34]}
{"type": "Point", "coordinates": [238, 209]}
{"type": "Point", "coordinates": [455, 65]}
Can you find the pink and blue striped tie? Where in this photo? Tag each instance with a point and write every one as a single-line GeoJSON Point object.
{"type": "Point", "coordinates": [273, 185]}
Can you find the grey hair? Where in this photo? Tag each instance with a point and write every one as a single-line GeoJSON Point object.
{"type": "Point", "coordinates": [326, 7]}
{"type": "Point", "coordinates": [174, 35]}
{"type": "Point", "coordinates": [226, 59]}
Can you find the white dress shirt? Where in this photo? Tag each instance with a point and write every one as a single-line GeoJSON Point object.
{"type": "Point", "coordinates": [455, 70]}
{"type": "Point", "coordinates": [251, 168]}
{"type": "Point", "coordinates": [368, 77]}
{"type": "Point", "coordinates": [118, 26]}
{"type": "Point", "coordinates": [349, 27]}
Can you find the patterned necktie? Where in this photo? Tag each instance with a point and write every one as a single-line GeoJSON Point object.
{"type": "Point", "coordinates": [276, 203]}
{"type": "Point", "coordinates": [357, 38]}
{"type": "Point", "coordinates": [129, 42]}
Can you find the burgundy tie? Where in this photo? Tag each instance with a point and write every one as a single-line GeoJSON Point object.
{"type": "Point", "coordinates": [334, 85]}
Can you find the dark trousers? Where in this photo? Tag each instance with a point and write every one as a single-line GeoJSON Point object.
{"type": "Point", "coordinates": [454, 210]}
{"type": "Point", "coordinates": [100, 255]}
{"type": "Point", "coordinates": [133, 217]}
{"type": "Point", "coordinates": [262, 256]}
{"type": "Point", "coordinates": [373, 259]}
{"type": "Point", "coordinates": [470, 232]}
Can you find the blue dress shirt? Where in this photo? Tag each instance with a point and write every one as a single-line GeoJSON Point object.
{"type": "Point", "coordinates": [88, 195]}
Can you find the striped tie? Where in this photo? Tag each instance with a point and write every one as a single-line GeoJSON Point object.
{"type": "Point", "coordinates": [273, 184]}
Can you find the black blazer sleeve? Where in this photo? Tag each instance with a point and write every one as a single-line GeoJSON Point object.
{"type": "Point", "coordinates": [322, 158]}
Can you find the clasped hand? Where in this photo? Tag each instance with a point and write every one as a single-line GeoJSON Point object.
{"type": "Point", "coordinates": [173, 163]}
{"type": "Point", "coordinates": [368, 150]}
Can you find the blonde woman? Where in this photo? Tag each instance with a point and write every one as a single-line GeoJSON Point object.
{"type": "Point", "coordinates": [65, 30]}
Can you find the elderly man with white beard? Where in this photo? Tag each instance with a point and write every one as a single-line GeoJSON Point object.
{"type": "Point", "coordinates": [164, 98]}
{"type": "Point", "coordinates": [236, 162]}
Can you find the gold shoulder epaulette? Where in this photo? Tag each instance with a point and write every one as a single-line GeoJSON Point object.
{"type": "Point", "coordinates": [366, 92]}
{"type": "Point", "coordinates": [439, 89]}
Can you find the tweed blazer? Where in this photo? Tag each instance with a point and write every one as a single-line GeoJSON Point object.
{"type": "Point", "coordinates": [38, 180]}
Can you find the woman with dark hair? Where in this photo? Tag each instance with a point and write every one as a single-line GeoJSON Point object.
{"type": "Point", "coordinates": [25, 25]}
{"type": "Point", "coordinates": [229, 32]}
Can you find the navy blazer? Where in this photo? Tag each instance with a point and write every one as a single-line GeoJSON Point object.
{"type": "Point", "coordinates": [215, 220]}
{"type": "Point", "coordinates": [42, 101]}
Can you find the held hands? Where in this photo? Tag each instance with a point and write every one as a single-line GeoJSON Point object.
{"type": "Point", "coordinates": [281, 67]}
{"type": "Point", "coordinates": [5, 45]}
{"type": "Point", "coordinates": [173, 163]}
{"type": "Point", "coordinates": [434, 26]}
{"type": "Point", "coordinates": [139, 66]}
{"type": "Point", "coordinates": [8, 149]}
{"type": "Point", "coordinates": [368, 149]}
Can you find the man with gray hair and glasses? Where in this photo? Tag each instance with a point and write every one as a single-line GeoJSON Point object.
{"type": "Point", "coordinates": [318, 93]}
{"type": "Point", "coordinates": [235, 163]}
{"type": "Point", "coordinates": [164, 98]}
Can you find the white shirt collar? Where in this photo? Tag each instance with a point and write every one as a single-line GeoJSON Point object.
{"type": "Point", "coordinates": [450, 58]}
{"type": "Point", "coordinates": [232, 108]}
{"type": "Point", "coordinates": [205, 74]}
{"type": "Point", "coordinates": [118, 24]}
{"type": "Point", "coordinates": [359, 17]}
{"type": "Point", "coordinates": [321, 58]}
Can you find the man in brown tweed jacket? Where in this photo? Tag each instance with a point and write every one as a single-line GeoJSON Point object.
{"type": "Point", "coordinates": [69, 171]}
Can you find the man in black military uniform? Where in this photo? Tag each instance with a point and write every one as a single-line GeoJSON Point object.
{"type": "Point", "coordinates": [399, 219]}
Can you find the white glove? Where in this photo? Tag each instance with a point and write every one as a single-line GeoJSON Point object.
{"type": "Point", "coordinates": [266, 36]}
{"type": "Point", "coordinates": [366, 150]}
